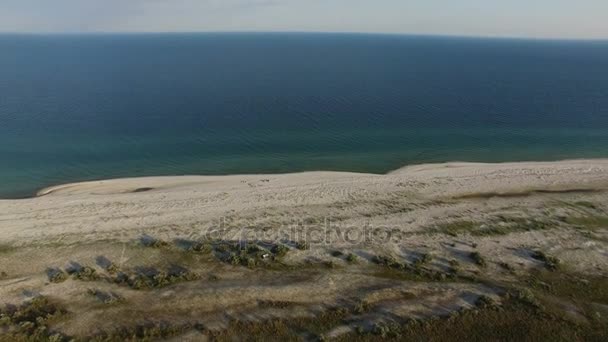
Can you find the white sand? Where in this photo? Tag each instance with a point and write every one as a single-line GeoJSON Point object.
{"type": "Point", "coordinates": [177, 205]}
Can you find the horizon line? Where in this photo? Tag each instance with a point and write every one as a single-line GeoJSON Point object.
{"type": "Point", "coordinates": [421, 35]}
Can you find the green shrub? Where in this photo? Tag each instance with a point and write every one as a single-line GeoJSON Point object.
{"type": "Point", "coordinates": [56, 275]}
{"type": "Point", "coordinates": [485, 302]}
{"type": "Point", "coordinates": [280, 250]}
{"type": "Point", "coordinates": [478, 259]}
{"type": "Point", "coordinates": [351, 258]}
{"type": "Point", "coordinates": [200, 247]}
{"type": "Point", "coordinates": [157, 279]}
{"type": "Point", "coordinates": [302, 245]}
{"type": "Point", "coordinates": [85, 273]}
{"type": "Point", "coordinates": [388, 261]}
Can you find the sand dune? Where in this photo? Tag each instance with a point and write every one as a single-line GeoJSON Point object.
{"type": "Point", "coordinates": [465, 230]}
{"type": "Point", "coordinates": [137, 204]}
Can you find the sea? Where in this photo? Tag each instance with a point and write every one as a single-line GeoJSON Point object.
{"type": "Point", "coordinates": [97, 106]}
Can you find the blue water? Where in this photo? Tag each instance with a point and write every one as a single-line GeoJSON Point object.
{"type": "Point", "coordinates": [84, 107]}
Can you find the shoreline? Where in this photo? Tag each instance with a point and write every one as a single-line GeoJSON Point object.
{"type": "Point", "coordinates": [164, 181]}
{"type": "Point", "coordinates": [148, 204]}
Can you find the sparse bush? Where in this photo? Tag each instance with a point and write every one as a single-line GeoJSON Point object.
{"type": "Point", "coordinates": [234, 259]}
{"type": "Point", "coordinates": [112, 268]}
{"type": "Point", "coordinates": [361, 307]}
{"type": "Point", "coordinates": [551, 263]}
{"type": "Point", "coordinates": [121, 278]}
{"type": "Point", "coordinates": [303, 245]}
{"type": "Point", "coordinates": [280, 250]}
{"type": "Point", "coordinates": [507, 266]}
{"type": "Point", "coordinates": [423, 259]}
{"type": "Point", "coordinates": [149, 241]}
{"type": "Point", "coordinates": [454, 267]}
{"type": "Point", "coordinates": [351, 258]}
{"type": "Point", "coordinates": [147, 279]}
{"type": "Point", "coordinates": [85, 273]}
{"type": "Point", "coordinates": [56, 275]}
{"type": "Point", "coordinates": [478, 259]}
{"type": "Point", "coordinates": [525, 296]}
{"type": "Point", "coordinates": [105, 297]}
{"type": "Point", "coordinates": [485, 302]}
{"type": "Point", "coordinates": [149, 331]}
{"type": "Point", "coordinates": [253, 249]}
{"type": "Point", "coordinates": [249, 262]}
{"type": "Point", "coordinates": [337, 254]}
{"type": "Point", "coordinates": [586, 204]}
{"type": "Point", "coordinates": [200, 247]}
{"type": "Point", "coordinates": [381, 330]}
{"type": "Point", "coordinates": [388, 261]}
{"type": "Point", "coordinates": [139, 282]}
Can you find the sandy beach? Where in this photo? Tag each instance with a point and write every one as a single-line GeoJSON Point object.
{"type": "Point", "coordinates": [487, 221]}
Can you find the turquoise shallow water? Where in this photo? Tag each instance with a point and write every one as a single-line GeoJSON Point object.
{"type": "Point", "coordinates": [76, 108]}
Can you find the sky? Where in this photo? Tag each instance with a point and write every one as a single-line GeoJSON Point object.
{"type": "Point", "coordinates": [571, 19]}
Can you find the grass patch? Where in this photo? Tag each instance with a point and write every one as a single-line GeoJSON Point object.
{"type": "Point", "coordinates": [591, 222]}
{"type": "Point", "coordinates": [6, 248]}
{"type": "Point", "coordinates": [517, 317]}
{"type": "Point", "coordinates": [393, 269]}
{"type": "Point", "coordinates": [586, 204]}
{"type": "Point", "coordinates": [284, 329]}
{"type": "Point", "coordinates": [149, 331]}
{"type": "Point", "coordinates": [576, 287]}
{"type": "Point", "coordinates": [502, 225]}
{"type": "Point", "coordinates": [455, 228]}
{"type": "Point", "coordinates": [514, 320]}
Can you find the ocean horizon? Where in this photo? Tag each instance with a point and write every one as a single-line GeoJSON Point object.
{"type": "Point", "coordinates": [87, 107]}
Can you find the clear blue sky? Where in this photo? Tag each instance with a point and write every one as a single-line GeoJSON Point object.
{"type": "Point", "coordinates": [514, 18]}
